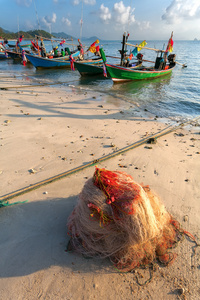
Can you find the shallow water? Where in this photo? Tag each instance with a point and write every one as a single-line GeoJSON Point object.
{"type": "Point", "coordinates": [175, 96]}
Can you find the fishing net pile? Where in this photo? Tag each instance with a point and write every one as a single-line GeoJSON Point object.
{"type": "Point", "coordinates": [119, 219]}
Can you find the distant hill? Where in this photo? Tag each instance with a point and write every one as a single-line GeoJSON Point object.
{"type": "Point", "coordinates": [27, 34]}
{"type": "Point", "coordinates": [92, 38]}
{"type": "Point", "coordinates": [62, 35]}
{"type": "Point", "coordinates": [32, 33]}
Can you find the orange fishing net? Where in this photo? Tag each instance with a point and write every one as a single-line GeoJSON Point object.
{"type": "Point", "coordinates": [117, 218]}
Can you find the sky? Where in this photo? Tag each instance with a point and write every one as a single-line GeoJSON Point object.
{"type": "Point", "coordinates": [106, 19]}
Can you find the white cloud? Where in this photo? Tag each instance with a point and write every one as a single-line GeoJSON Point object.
{"type": "Point", "coordinates": [180, 10]}
{"type": "Point", "coordinates": [47, 20]}
{"type": "Point", "coordinates": [24, 2]}
{"type": "Point", "coordinates": [66, 21]}
{"type": "Point", "coordinates": [105, 14]}
{"type": "Point", "coordinates": [143, 25]}
{"type": "Point", "coordinates": [87, 2]}
{"type": "Point", "coordinates": [122, 14]}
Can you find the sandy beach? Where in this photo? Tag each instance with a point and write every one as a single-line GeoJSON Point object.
{"type": "Point", "coordinates": [47, 130]}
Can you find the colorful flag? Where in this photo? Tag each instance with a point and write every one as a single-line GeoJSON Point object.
{"type": "Point", "coordinates": [135, 51]}
{"type": "Point", "coordinates": [104, 70]}
{"type": "Point", "coordinates": [71, 63]}
{"type": "Point", "coordinates": [92, 47]}
{"type": "Point", "coordinates": [141, 45]}
{"type": "Point", "coordinates": [170, 44]}
{"type": "Point", "coordinates": [62, 43]}
{"type": "Point", "coordinates": [20, 38]}
{"type": "Point", "coordinates": [24, 60]}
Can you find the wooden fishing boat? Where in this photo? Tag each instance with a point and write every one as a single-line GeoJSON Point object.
{"type": "Point", "coordinates": [41, 62]}
{"type": "Point", "coordinates": [89, 67]}
{"type": "Point", "coordinates": [2, 55]}
{"type": "Point", "coordinates": [122, 74]}
{"type": "Point", "coordinates": [15, 55]}
{"type": "Point", "coordinates": [86, 69]}
{"type": "Point", "coordinates": [163, 65]}
{"type": "Point", "coordinates": [45, 62]}
{"type": "Point", "coordinates": [22, 45]}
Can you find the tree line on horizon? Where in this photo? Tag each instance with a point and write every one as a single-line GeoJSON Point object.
{"type": "Point", "coordinates": [31, 34]}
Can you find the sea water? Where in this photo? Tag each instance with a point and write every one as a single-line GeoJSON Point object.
{"type": "Point", "coordinates": [176, 96]}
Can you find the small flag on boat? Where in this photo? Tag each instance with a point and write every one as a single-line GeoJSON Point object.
{"type": "Point", "coordinates": [135, 51]}
{"type": "Point", "coordinates": [170, 44]}
{"type": "Point", "coordinates": [72, 63]}
{"type": "Point", "coordinates": [24, 60]}
{"type": "Point", "coordinates": [20, 38]}
{"type": "Point", "coordinates": [104, 70]}
{"type": "Point", "coordinates": [139, 48]}
{"type": "Point", "coordinates": [62, 43]}
{"type": "Point", "coordinates": [92, 47]}
{"type": "Point", "coordinates": [104, 61]}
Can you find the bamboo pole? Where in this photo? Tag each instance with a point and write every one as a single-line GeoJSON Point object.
{"type": "Point", "coordinates": [148, 48]}
{"type": "Point", "coordinates": [37, 185]}
{"type": "Point", "coordinates": [183, 65]}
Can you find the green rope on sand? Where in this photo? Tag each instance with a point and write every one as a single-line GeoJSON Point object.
{"type": "Point", "coordinates": [4, 204]}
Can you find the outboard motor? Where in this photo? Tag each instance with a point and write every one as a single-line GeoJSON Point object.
{"type": "Point", "coordinates": [160, 63]}
{"type": "Point", "coordinates": [139, 57]}
{"type": "Point", "coordinates": [171, 59]}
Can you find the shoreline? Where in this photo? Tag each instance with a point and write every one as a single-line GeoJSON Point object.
{"type": "Point", "coordinates": [49, 130]}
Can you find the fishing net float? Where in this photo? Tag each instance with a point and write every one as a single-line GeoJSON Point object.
{"type": "Point", "coordinates": [119, 219]}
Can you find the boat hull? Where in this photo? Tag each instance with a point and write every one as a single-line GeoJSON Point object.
{"type": "Point", "coordinates": [90, 67]}
{"type": "Point", "coordinates": [2, 55]}
{"type": "Point", "coordinates": [123, 74]}
{"type": "Point", "coordinates": [23, 45]}
{"type": "Point", "coordinates": [14, 55]}
{"type": "Point", "coordinates": [43, 62]}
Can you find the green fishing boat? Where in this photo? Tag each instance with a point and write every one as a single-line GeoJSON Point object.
{"type": "Point", "coordinates": [86, 69]}
{"type": "Point", "coordinates": [122, 74]}
{"type": "Point", "coordinates": [163, 65]}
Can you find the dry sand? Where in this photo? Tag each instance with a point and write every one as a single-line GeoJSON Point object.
{"type": "Point", "coordinates": [48, 130]}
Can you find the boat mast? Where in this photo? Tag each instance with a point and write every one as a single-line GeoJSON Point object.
{"type": "Point", "coordinates": [81, 21]}
{"type": "Point", "coordinates": [18, 24]}
{"type": "Point", "coordinates": [123, 45]}
{"type": "Point", "coordinates": [36, 15]}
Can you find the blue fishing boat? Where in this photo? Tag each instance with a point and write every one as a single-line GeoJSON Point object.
{"type": "Point", "coordinates": [46, 62]}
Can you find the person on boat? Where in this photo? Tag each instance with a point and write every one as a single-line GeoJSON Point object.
{"type": "Point", "coordinates": [43, 50]}
{"type": "Point", "coordinates": [56, 52]}
{"type": "Point", "coordinates": [17, 46]}
{"type": "Point", "coordinates": [5, 42]}
{"type": "Point", "coordinates": [62, 52]}
{"type": "Point", "coordinates": [66, 52]}
{"type": "Point", "coordinates": [80, 48]}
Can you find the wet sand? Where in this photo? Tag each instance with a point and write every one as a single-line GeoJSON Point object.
{"type": "Point", "coordinates": [49, 130]}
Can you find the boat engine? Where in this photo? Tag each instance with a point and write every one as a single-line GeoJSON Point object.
{"type": "Point", "coordinates": [139, 57]}
{"type": "Point", "coordinates": [171, 58]}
